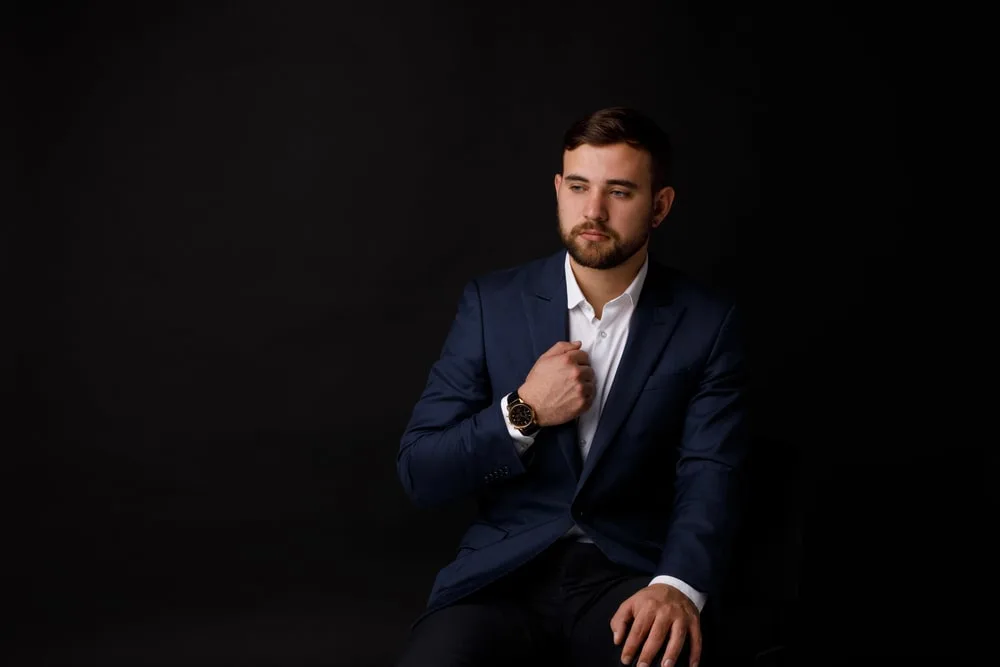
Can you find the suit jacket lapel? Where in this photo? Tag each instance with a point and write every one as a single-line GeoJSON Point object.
{"type": "Point", "coordinates": [548, 322]}
{"type": "Point", "coordinates": [653, 321]}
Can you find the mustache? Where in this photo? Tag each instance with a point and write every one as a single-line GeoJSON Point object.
{"type": "Point", "coordinates": [580, 229]}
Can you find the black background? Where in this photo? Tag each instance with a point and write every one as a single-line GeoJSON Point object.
{"type": "Point", "coordinates": [244, 231]}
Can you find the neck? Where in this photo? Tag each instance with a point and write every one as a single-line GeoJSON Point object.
{"type": "Point", "coordinates": [602, 285]}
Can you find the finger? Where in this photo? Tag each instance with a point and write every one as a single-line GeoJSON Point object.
{"type": "Point", "coordinates": [657, 635]}
{"type": "Point", "coordinates": [636, 636]}
{"type": "Point", "coordinates": [620, 621]}
{"type": "Point", "coordinates": [678, 633]}
{"type": "Point", "coordinates": [579, 357]}
{"type": "Point", "coordinates": [584, 376]}
{"type": "Point", "coordinates": [562, 346]}
{"type": "Point", "coordinates": [694, 638]}
{"type": "Point", "coordinates": [584, 394]}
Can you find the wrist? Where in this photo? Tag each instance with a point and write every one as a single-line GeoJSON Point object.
{"type": "Point", "coordinates": [524, 393]}
{"type": "Point", "coordinates": [522, 414]}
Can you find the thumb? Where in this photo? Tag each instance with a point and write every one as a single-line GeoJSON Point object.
{"type": "Point", "coordinates": [562, 346]}
{"type": "Point", "coordinates": [620, 621]}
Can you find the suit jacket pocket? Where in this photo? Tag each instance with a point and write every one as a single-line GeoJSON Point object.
{"type": "Point", "coordinates": [479, 535]}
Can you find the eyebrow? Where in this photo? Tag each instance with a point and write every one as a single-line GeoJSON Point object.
{"type": "Point", "coordinates": [611, 181]}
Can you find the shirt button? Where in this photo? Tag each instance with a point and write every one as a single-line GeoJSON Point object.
{"type": "Point", "coordinates": [583, 441]}
{"type": "Point", "coordinates": [604, 334]}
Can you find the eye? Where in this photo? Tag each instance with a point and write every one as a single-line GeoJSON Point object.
{"type": "Point", "coordinates": [576, 188]}
{"type": "Point", "coordinates": [620, 194]}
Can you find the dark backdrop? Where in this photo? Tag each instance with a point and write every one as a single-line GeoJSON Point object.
{"type": "Point", "coordinates": [244, 231]}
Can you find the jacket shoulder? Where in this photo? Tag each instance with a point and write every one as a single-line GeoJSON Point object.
{"type": "Point", "coordinates": [515, 276]}
{"type": "Point", "coordinates": [698, 295]}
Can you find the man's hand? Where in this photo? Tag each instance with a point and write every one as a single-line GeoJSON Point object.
{"type": "Point", "coordinates": [560, 386]}
{"type": "Point", "coordinates": [655, 612]}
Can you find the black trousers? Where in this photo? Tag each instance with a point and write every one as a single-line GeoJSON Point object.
{"type": "Point", "coordinates": [556, 610]}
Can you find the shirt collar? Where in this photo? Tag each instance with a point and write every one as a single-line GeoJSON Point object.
{"type": "Point", "coordinates": [574, 296]}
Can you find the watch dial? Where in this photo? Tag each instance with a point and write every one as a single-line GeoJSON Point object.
{"type": "Point", "coordinates": [520, 415]}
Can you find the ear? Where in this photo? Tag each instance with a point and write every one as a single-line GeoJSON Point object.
{"type": "Point", "coordinates": [663, 200]}
{"type": "Point", "coordinates": [558, 180]}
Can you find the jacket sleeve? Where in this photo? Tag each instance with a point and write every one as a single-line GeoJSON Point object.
{"type": "Point", "coordinates": [709, 468]}
{"type": "Point", "coordinates": [457, 442]}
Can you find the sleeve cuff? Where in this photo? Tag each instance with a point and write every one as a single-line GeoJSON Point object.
{"type": "Point", "coordinates": [521, 441]}
{"type": "Point", "coordinates": [696, 597]}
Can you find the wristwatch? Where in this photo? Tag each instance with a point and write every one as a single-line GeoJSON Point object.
{"type": "Point", "coordinates": [521, 415]}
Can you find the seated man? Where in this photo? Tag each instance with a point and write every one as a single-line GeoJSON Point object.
{"type": "Point", "coordinates": [593, 403]}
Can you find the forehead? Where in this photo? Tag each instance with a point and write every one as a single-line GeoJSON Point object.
{"type": "Point", "coordinates": [602, 163]}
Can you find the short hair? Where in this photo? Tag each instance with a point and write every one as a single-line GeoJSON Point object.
{"type": "Point", "coordinates": [615, 125]}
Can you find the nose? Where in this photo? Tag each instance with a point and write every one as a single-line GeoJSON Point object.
{"type": "Point", "coordinates": [595, 209]}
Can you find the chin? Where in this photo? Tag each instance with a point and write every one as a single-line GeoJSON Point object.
{"type": "Point", "coordinates": [591, 258]}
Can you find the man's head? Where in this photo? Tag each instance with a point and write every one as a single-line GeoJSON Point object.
{"type": "Point", "coordinates": [615, 183]}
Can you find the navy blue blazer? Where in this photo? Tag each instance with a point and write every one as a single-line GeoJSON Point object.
{"type": "Point", "coordinates": [658, 492]}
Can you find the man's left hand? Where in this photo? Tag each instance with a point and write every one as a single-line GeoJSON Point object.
{"type": "Point", "coordinates": [655, 612]}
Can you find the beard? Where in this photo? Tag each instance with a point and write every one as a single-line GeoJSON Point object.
{"type": "Point", "coordinates": [604, 254]}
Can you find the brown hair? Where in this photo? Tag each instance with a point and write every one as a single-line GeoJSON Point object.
{"type": "Point", "coordinates": [616, 125]}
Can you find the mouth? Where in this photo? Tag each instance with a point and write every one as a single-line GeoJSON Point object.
{"type": "Point", "coordinates": [592, 235]}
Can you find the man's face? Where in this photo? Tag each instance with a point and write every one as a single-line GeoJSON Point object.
{"type": "Point", "coordinates": [606, 205]}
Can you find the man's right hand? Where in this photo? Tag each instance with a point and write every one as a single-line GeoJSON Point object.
{"type": "Point", "coordinates": [560, 386]}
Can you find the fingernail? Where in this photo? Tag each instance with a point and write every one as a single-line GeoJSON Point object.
{"type": "Point", "coordinates": [694, 664]}
{"type": "Point", "coordinates": [667, 662]}
{"type": "Point", "coordinates": [617, 637]}
{"type": "Point", "coordinates": [626, 659]}
{"type": "Point", "coordinates": [643, 664]}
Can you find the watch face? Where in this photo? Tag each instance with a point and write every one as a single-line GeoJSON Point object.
{"type": "Point", "coordinates": [521, 415]}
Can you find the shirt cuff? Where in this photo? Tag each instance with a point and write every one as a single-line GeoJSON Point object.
{"type": "Point", "coordinates": [696, 597]}
{"type": "Point", "coordinates": [521, 441]}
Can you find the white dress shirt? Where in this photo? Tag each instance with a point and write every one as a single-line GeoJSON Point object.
{"type": "Point", "coordinates": [604, 341]}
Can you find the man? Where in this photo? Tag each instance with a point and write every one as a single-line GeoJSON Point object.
{"type": "Point", "coordinates": [593, 403]}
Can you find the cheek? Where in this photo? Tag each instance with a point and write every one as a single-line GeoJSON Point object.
{"type": "Point", "coordinates": [567, 216]}
{"type": "Point", "coordinates": [635, 221]}
{"type": "Point", "coordinates": [566, 205]}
